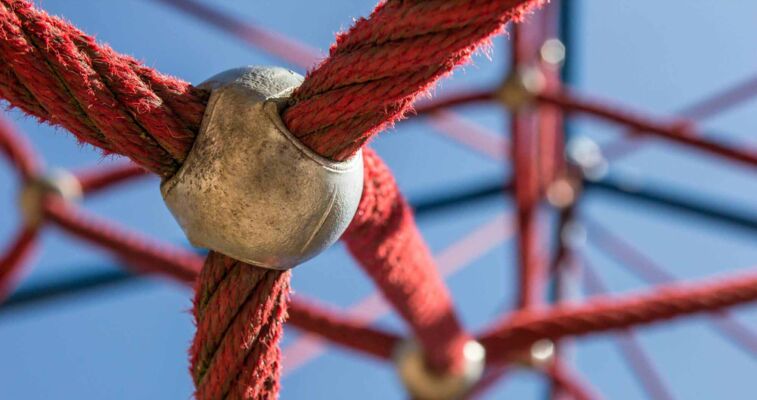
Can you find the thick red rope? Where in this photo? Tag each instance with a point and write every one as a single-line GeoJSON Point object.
{"type": "Point", "coordinates": [352, 333]}
{"type": "Point", "coordinates": [525, 152]}
{"type": "Point", "coordinates": [384, 239]}
{"type": "Point", "coordinates": [13, 258]}
{"type": "Point", "coordinates": [660, 304]}
{"type": "Point", "coordinates": [639, 264]}
{"type": "Point", "coordinates": [603, 313]}
{"type": "Point", "coordinates": [628, 342]}
{"type": "Point", "coordinates": [574, 386]}
{"type": "Point", "coordinates": [62, 76]}
{"type": "Point", "coordinates": [93, 180]}
{"type": "Point", "coordinates": [57, 73]}
{"type": "Point", "coordinates": [680, 131]}
{"type": "Point", "coordinates": [375, 70]}
{"type": "Point", "coordinates": [145, 256]}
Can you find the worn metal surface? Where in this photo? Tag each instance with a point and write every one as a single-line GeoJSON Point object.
{"type": "Point", "coordinates": [249, 189]}
{"type": "Point", "coordinates": [56, 182]}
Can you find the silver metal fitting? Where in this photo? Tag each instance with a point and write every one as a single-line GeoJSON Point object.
{"type": "Point", "coordinates": [541, 353]}
{"type": "Point", "coordinates": [56, 182]}
{"type": "Point", "coordinates": [552, 52]}
{"type": "Point", "coordinates": [252, 191]}
{"type": "Point", "coordinates": [521, 86]}
{"type": "Point", "coordinates": [586, 154]}
{"type": "Point", "coordinates": [424, 384]}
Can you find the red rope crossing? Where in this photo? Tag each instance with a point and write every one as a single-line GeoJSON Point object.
{"type": "Point", "coordinates": [62, 76]}
{"type": "Point", "coordinates": [604, 313]}
{"type": "Point", "coordinates": [374, 72]}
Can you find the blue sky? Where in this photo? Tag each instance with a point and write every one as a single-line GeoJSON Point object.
{"type": "Point", "coordinates": [130, 341]}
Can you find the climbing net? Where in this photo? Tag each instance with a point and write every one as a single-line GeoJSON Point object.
{"type": "Point", "coordinates": [374, 72]}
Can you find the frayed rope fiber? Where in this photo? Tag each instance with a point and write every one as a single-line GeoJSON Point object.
{"type": "Point", "coordinates": [55, 72]}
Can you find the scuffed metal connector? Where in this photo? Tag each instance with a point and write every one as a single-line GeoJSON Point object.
{"type": "Point", "coordinates": [249, 189]}
{"type": "Point", "coordinates": [521, 87]}
{"type": "Point", "coordinates": [56, 182]}
{"type": "Point", "coordinates": [425, 384]}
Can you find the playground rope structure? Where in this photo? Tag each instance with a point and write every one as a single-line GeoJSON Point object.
{"type": "Point", "coordinates": [373, 74]}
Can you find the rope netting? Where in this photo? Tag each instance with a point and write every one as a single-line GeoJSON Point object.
{"type": "Point", "coordinates": [372, 76]}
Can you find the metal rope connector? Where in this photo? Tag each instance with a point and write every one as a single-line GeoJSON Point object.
{"type": "Point", "coordinates": [586, 155]}
{"type": "Point", "coordinates": [56, 182]}
{"type": "Point", "coordinates": [540, 354]}
{"type": "Point", "coordinates": [521, 87]}
{"type": "Point", "coordinates": [252, 191]}
{"type": "Point", "coordinates": [425, 384]}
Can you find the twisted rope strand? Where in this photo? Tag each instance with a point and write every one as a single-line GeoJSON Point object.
{"type": "Point", "coordinates": [74, 82]}
{"type": "Point", "coordinates": [376, 69]}
{"type": "Point", "coordinates": [603, 313]}
{"type": "Point", "coordinates": [384, 239]}
{"type": "Point", "coordinates": [62, 76]}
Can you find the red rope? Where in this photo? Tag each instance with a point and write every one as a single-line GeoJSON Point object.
{"type": "Point", "coordinates": [131, 246]}
{"type": "Point", "coordinates": [677, 131]}
{"type": "Point", "coordinates": [149, 257]}
{"type": "Point", "coordinates": [94, 180]}
{"type": "Point", "coordinates": [525, 152]}
{"type": "Point", "coordinates": [377, 68]}
{"type": "Point", "coordinates": [60, 75]}
{"type": "Point", "coordinates": [647, 269]}
{"type": "Point", "coordinates": [14, 257]}
{"type": "Point", "coordinates": [704, 108]}
{"type": "Point", "coordinates": [372, 308]}
{"type": "Point", "coordinates": [491, 377]}
{"type": "Point", "coordinates": [158, 116]}
{"type": "Point", "coordinates": [635, 356]}
{"type": "Point", "coordinates": [385, 241]}
{"type": "Point", "coordinates": [17, 151]}
{"type": "Point", "coordinates": [601, 313]}
{"type": "Point", "coordinates": [106, 99]}
{"type": "Point", "coordinates": [353, 334]}
{"type": "Point", "coordinates": [575, 387]}
{"type": "Point", "coordinates": [432, 106]}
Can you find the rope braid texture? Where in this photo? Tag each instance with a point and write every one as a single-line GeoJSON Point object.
{"type": "Point", "coordinates": [603, 313]}
{"type": "Point", "coordinates": [63, 77]}
{"type": "Point", "coordinates": [375, 70]}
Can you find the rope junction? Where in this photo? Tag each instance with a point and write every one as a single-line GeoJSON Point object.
{"type": "Point", "coordinates": [370, 79]}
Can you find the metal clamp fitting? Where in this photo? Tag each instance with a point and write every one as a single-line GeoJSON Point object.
{"type": "Point", "coordinates": [520, 87]}
{"type": "Point", "coordinates": [56, 182]}
{"type": "Point", "coordinates": [424, 384]}
{"type": "Point", "coordinates": [540, 354]}
{"type": "Point", "coordinates": [249, 189]}
{"type": "Point", "coordinates": [586, 155]}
